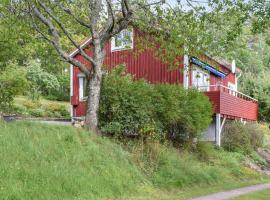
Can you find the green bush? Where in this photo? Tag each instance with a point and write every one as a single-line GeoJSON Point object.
{"type": "Point", "coordinates": [56, 110]}
{"type": "Point", "coordinates": [241, 137]}
{"type": "Point", "coordinates": [236, 138]}
{"type": "Point", "coordinates": [12, 83]}
{"type": "Point", "coordinates": [126, 105]}
{"type": "Point", "coordinates": [205, 151]}
{"type": "Point", "coordinates": [41, 81]}
{"type": "Point", "coordinates": [37, 112]}
{"type": "Point", "coordinates": [129, 107]}
{"type": "Point", "coordinates": [256, 134]}
{"type": "Point", "coordinates": [61, 93]}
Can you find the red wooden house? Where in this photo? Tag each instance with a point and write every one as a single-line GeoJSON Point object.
{"type": "Point", "coordinates": [215, 77]}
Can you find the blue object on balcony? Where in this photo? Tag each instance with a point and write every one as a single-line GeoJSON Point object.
{"type": "Point", "coordinates": [209, 68]}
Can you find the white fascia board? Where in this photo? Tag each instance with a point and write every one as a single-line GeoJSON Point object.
{"type": "Point", "coordinates": [72, 54]}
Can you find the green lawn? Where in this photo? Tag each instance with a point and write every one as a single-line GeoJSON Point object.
{"type": "Point", "coordinates": [261, 195]}
{"type": "Point", "coordinates": [40, 161]}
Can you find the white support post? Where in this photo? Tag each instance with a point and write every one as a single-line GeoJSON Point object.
{"type": "Point", "coordinates": [219, 127]}
{"type": "Point", "coordinates": [186, 72]}
{"type": "Point", "coordinates": [71, 91]}
{"type": "Point", "coordinates": [218, 130]}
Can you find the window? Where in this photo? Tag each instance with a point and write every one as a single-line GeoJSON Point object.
{"type": "Point", "coordinates": [200, 79]}
{"type": "Point", "coordinates": [231, 87]}
{"type": "Point", "coordinates": [82, 87]}
{"type": "Point", "coordinates": [123, 40]}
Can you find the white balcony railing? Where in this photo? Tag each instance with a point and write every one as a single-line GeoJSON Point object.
{"type": "Point", "coordinates": [230, 91]}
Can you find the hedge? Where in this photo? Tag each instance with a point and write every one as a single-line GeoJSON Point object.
{"type": "Point", "coordinates": [137, 108]}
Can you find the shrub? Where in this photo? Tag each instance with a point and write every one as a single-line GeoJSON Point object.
{"type": "Point", "coordinates": [256, 134]}
{"type": "Point", "coordinates": [29, 104]}
{"type": "Point", "coordinates": [61, 93]}
{"type": "Point", "coordinates": [242, 138]}
{"type": "Point", "coordinates": [236, 138]}
{"type": "Point", "coordinates": [126, 105]}
{"type": "Point", "coordinates": [56, 110]}
{"type": "Point", "coordinates": [36, 112]}
{"type": "Point", "coordinates": [41, 81]}
{"type": "Point", "coordinates": [129, 107]}
{"type": "Point", "coordinates": [12, 83]}
{"type": "Point", "coordinates": [205, 151]}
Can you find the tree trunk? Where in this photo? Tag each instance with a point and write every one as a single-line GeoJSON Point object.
{"type": "Point", "coordinates": [94, 86]}
{"type": "Point", "coordinates": [91, 120]}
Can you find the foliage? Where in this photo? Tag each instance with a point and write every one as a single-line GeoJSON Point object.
{"type": "Point", "coordinates": [242, 138]}
{"type": "Point", "coordinates": [63, 162]}
{"type": "Point", "coordinates": [41, 81]}
{"type": "Point", "coordinates": [131, 107]}
{"type": "Point", "coordinates": [235, 138]}
{"type": "Point", "coordinates": [252, 57]}
{"type": "Point", "coordinates": [205, 151]}
{"type": "Point", "coordinates": [43, 108]}
{"type": "Point", "coordinates": [12, 83]}
{"type": "Point", "coordinates": [62, 93]}
{"type": "Point", "coordinates": [166, 167]}
{"type": "Point", "coordinates": [126, 106]}
{"type": "Point", "coordinates": [256, 133]}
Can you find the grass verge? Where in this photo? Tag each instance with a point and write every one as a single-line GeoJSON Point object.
{"type": "Point", "coordinates": [58, 162]}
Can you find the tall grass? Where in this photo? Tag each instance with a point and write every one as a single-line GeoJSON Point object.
{"type": "Point", "coordinates": [52, 162]}
{"type": "Point", "coordinates": [39, 161]}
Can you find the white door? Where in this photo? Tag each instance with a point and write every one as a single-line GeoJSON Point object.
{"type": "Point", "coordinates": [200, 79]}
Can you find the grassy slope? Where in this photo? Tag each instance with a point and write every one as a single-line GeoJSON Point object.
{"type": "Point", "coordinates": [261, 195]}
{"type": "Point", "coordinates": [55, 162]}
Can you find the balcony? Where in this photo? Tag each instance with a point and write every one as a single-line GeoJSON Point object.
{"type": "Point", "coordinates": [232, 104]}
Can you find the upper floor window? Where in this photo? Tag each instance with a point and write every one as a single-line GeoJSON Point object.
{"type": "Point", "coordinates": [123, 40]}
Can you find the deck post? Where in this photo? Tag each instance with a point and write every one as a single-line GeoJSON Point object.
{"type": "Point", "coordinates": [218, 129]}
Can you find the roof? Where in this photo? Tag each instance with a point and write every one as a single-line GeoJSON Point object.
{"type": "Point", "coordinates": [224, 63]}
{"type": "Point", "coordinates": [82, 45]}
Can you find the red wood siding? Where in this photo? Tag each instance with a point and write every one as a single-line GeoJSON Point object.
{"type": "Point", "coordinates": [232, 106]}
{"type": "Point", "coordinates": [145, 65]}
{"type": "Point", "coordinates": [141, 64]}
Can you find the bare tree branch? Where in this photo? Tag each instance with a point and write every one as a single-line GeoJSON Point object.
{"type": "Point", "coordinates": [56, 40]}
{"type": "Point", "coordinates": [111, 17]}
{"type": "Point", "coordinates": [61, 25]}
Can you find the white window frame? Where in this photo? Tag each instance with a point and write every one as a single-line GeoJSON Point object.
{"type": "Point", "coordinates": [82, 95]}
{"type": "Point", "coordinates": [123, 46]}
{"type": "Point", "coordinates": [232, 88]}
{"type": "Point", "coordinates": [203, 82]}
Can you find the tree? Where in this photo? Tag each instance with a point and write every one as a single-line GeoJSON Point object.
{"type": "Point", "coordinates": [184, 25]}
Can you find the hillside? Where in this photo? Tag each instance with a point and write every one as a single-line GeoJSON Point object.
{"type": "Point", "coordinates": [56, 162]}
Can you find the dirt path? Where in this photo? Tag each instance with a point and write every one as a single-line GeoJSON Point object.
{"type": "Point", "coordinates": [234, 193]}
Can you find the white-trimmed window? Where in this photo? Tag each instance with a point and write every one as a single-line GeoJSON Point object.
{"type": "Point", "coordinates": [123, 40]}
{"type": "Point", "coordinates": [232, 88]}
{"type": "Point", "coordinates": [82, 87]}
{"type": "Point", "coordinates": [200, 79]}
